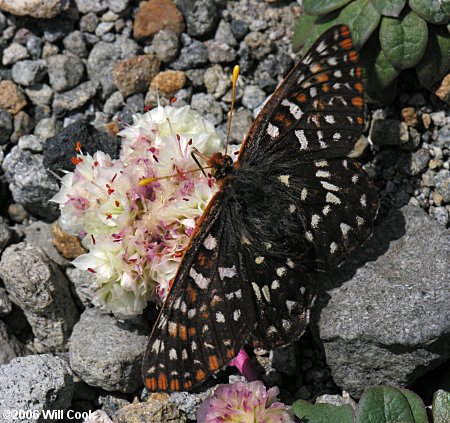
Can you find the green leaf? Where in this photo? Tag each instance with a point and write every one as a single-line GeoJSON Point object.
{"type": "Point", "coordinates": [323, 413]}
{"type": "Point", "coordinates": [389, 7]}
{"type": "Point", "coordinates": [403, 39]}
{"type": "Point", "coordinates": [309, 28]}
{"type": "Point", "coordinates": [435, 63]}
{"type": "Point", "coordinates": [378, 73]}
{"type": "Point", "coordinates": [433, 11]}
{"type": "Point", "coordinates": [441, 407]}
{"type": "Point", "coordinates": [384, 404]}
{"type": "Point", "coordinates": [322, 7]}
{"type": "Point", "coordinates": [362, 19]}
{"type": "Point", "coordinates": [417, 406]}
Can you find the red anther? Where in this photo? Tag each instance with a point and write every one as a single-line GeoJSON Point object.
{"type": "Point", "coordinates": [78, 147]}
{"type": "Point", "coordinates": [190, 142]}
{"type": "Point", "coordinates": [155, 158]}
{"type": "Point", "coordinates": [147, 108]}
{"type": "Point", "coordinates": [108, 216]}
{"type": "Point", "coordinates": [117, 203]}
{"type": "Point", "coordinates": [173, 99]}
{"type": "Point", "coordinates": [76, 160]}
{"type": "Point", "coordinates": [90, 269]}
{"type": "Point", "coordinates": [113, 178]}
{"type": "Point", "coordinates": [178, 138]}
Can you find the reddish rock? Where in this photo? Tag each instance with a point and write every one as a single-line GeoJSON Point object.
{"type": "Point", "coordinates": [68, 245]}
{"type": "Point", "coordinates": [154, 16]}
{"type": "Point", "coordinates": [135, 74]}
{"type": "Point", "coordinates": [169, 82]}
{"type": "Point", "coordinates": [12, 99]}
{"type": "Point", "coordinates": [443, 92]}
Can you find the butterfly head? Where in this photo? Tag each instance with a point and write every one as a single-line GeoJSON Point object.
{"type": "Point", "coordinates": [221, 165]}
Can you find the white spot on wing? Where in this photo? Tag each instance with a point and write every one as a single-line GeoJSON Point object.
{"type": "Point", "coordinates": [284, 179]}
{"type": "Point", "coordinates": [322, 174]}
{"type": "Point", "coordinates": [236, 315]}
{"type": "Point", "coordinates": [330, 119]}
{"type": "Point", "coordinates": [329, 187]}
{"type": "Point", "coordinates": [292, 208]}
{"type": "Point", "coordinates": [173, 354]}
{"type": "Point", "coordinates": [321, 163]}
{"type": "Point", "coordinates": [363, 200]}
{"type": "Point", "coordinates": [272, 130]}
{"type": "Point", "coordinates": [290, 263]}
{"type": "Point", "coordinates": [360, 220]}
{"type": "Point", "coordinates": [331, 198]}
{"type": "Point", "coordinates": [333, 247]}
{"type": "Point", "coordinates": [281, 271]}
{"type": "Point", "coordinates": [265, 291]}
{"type": "Point", "coordinates": [293, 108]}
{"type": "Point", "coordinates": [309, 236]}
{"type": "Point", "coordinates": [275, 284]}
{"type": "Point", "coordinates": [259, 260]}
{"type": "Point", "coordinates": [344, 228]}
{"type": "Point", "coordinates": [303, 194]}
{"type": "Point", "coordinates": [199, 279]}
{"type": "Point", "coordinates": [257, 291]}
{"type": "Point", "coordinates": [227, 272]}
{"type": "Point", "coordinates": [315, 219]}
{"type": "Point", "coordinates": [220, 318]}
{"type": "Point", "coordinates": [300, 134]}
{"type": "Point", "coordinates": [210, 242]}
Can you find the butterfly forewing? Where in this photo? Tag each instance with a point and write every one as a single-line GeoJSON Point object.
{"type": "Point", "coordinates": [208, 313]}
{"type": "Point", "coordinates": [320, 102]}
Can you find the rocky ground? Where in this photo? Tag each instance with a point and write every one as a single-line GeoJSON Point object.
{"type": "Point", "coordinates": [80, 70]}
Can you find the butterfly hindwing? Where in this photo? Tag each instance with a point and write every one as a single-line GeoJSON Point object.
{"type": "Point", "coordinates": [208, 313]}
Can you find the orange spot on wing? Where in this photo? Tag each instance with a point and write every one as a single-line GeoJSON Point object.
{"type": "Point", "coordinates": [187, 384]}
{"type": "Point", "coordinates": [175, 385]}
{"type": "Point", "coordinates": [360, 120]}
{"type": "Point", "coordinates": [322, 77]}
{"type": "Point", "coordinates": [358, 72]}
{"type": "Point", "coordinates": [230, 354]}
{"type": "Point", "coordinates": [357, 101]}
{"type": "Point", "coordinates": [359, 87]}
{"type": "Point", "coordinates": [316, 68]}
{"type": "Point", "coordinates": [344, 31]}
{"type": "Point", "coordinates": [346, 44]}
{"type": "Point", "coordinates": [213, 363]}
{"type": "Point", "coordinates": [150, 383]}
{"type": "Point", "coordinates": [353, 56]}
{"type": "Point", "coordinates": [162, 382]}
{"type": "Point", "coordinates": [204, 316]}
{"type": "Point", "coordinates": [192, 331]}
{"type": "Point", "coordinates": [302, 98]}
{"type": "Point", "coordinates": [325, 88]}
{"type": "Point", "coordinates": [182, 332]}
{"type": "Point", "coordinates": [192, 293]}
{"type": "Point", "coordinates": [200, 375]}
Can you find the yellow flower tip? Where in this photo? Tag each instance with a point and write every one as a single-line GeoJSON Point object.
{"type": "Point", "coordinates": [146, 181]}
{"type": "Point", "coordinates": [236, 71]}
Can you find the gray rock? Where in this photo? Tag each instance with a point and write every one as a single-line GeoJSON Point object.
{"type": "Point", "coordinates": [103, 28]}
{"type": "Point", "coordinates": [39, 234]}
{"type": "Point", "coordinates": [31, 143]}
{"type": "Point", "coordinates": [34, 46]}
{"type": "Point", "coordinates": [6, 126]}
{"type": "Point", "coordinates": [440, 214]}
{"type": "Point", "coordinates": [36, 8]}
{"type": "Point", "coordinates": [88, 6]}
{"type": "Point", "coordinates": [201, 15]}
{"type": "Point", "coordinates": [104, 55]}
{"type": "Point", "coordinates": [208, 107]}
{"type": "Point", "coordinates": [39, 288]}
{"type": "Point", "coordinates": [224, 34]}
{"type": "Point", "coordinates": [82, 285]}
{"type": "Point", "coordinates": [239, 29]}
{"type": "Point", "coordinates": [75, 44]}
{"type": "Point", "coordinates": [105, 353]}
{"type": "Point", "coordinates": [2, 22]}
{"type": "Point", "coordinates": [88, 22]}
{"type": "Point", "coordinates": [47, 128]}
{"type": "Point", "coordinates": [191, 56]}
{"type": "Point", "coordinates": [216, 81]}
{"type": "Point", "coordinates": [29, 72]}
{"type": "Point", "coordinates": [284, 360]}
{"type": "Point", "coordinates": [13, 53]}
{"type": "Point", "coordinates": [29, 183]}
{"type": "Point", "coordinates": [196, 76]}
{"type": "Point", "coordinates": [118, 6]}
{"type": "Point", "coordinates": [219, 52]}
{"type": "Point", "coordinates": [166, 45]}
{"type": "Point", "coordinates": [17, 213]}
{"type": "Point", "coordinates": [64, 71]}
{"type": "Point", "coordinates": [253, 97]}
{"type": "Point", "coordinates": [259, 44]}
{"type": "Point", "coordinates": [114, 103]}
{"type": "Point", "coordinates": [5, 234]}
{"type": "Point", "coordinates": [386, 318]}
{"type": "Point", "coordinates": [439, 118]}
{"type": "Point", "coordinates": [419, 162]}
{"type": "Point", "coordinates": [5, 303]}
{"type": "Point", "coordinates": [23, 125]}
{"type": "Point", "coordinates": [388, 132]}
{"type": "Point", "coordinates": [108, 37]}
{"type": "Point", "coordinates": [40, 94]}
{"type": "Point", "coordinates": [36, 383]}
{"type": "Point", "coordinates": [75, 98]}
{"type": "Point", "coordinates": [242, 120]}
{"type": "Point", "coordinates": [188, 403]}
{"type": "Point", "coordinates": [442, 180]}
{"type": "Point", "coordinates": [10, 346]}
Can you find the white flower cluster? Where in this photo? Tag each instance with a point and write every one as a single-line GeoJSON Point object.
{"type": "Point", "coordinates": [135, 233]}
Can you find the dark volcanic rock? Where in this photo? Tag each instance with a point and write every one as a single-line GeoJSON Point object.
{"type": "Point", "coordinates": [60, 149]}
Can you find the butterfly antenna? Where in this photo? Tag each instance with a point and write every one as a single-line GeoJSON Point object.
{"type": "Point", "coordinates": [233, 95]}
{"type": "Point", "coordinates": [147, 181]}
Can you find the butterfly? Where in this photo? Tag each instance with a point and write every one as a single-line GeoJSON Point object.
{"type": "Point", "coordinates": [292, 203]}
